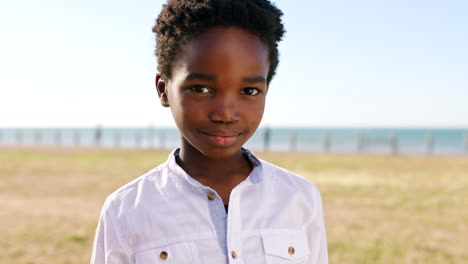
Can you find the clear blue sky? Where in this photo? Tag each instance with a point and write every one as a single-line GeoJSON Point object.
{"type": "Point", "coordinates": [399, 63]}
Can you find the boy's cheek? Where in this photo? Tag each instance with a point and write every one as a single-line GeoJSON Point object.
{"type": "Point", "coordinates": [188, 111]}
{"type": "Point", "coordinates": [256, 107]}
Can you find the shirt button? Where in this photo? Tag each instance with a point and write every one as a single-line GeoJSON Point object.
{"type": "Point", "coordinates": [233, 254]}
{"type": "Point", "coordinates": [163, 255]}
{"type": "Point", "coordinates": [291, 251]}
{"type": "Point", "coordinates": [211, 196]}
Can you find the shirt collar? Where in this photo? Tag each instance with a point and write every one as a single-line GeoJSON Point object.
{"type": "Point", "coordinates": [254, 177]}
{"type": "Point", "coordinates": [256, 174]}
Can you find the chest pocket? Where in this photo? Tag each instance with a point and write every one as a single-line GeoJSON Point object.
{"type": "Point", "coordinates": [285, 246]}
{"type": "Point", "coordinates": [179, 253]}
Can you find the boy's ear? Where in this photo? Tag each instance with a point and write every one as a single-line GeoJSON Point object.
{"type": "Point", "coordinates": [162, 90]}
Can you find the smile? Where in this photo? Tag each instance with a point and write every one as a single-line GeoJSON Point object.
{"type": "Point", "coordinates": [222, 138]}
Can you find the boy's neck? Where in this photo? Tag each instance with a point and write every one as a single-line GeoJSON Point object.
{"type": "Point", "coordinates": [222, 175]}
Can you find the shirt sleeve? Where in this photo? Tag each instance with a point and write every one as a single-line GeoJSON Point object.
{"type": "Point", "coordinates": [108, 247]}
{"type": "Point", "coordinates": [322, 250]}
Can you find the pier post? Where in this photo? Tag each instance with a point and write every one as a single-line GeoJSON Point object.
{"type": "Point", "coordinates": [138, 140]}
{"type": "Point", "coordinates": [326, 142]}
{"type": "Point", "coordinates": [393, 144]}
{"type": "Point", "coordinates": [19, 137]}
{"type": "Point", "coordinates": [116, 139]}
{"type": "Point", "coordinates": [76, 138]}
{"type": "Point", "coordinates": [150, 137]}
{"type": "Point", "coordinates": [162, 139]}
{"type": "Point", "coordinates": [58, 139]}
{"type": "Point", "coordinates": [466, 143]}
{"type": "Point", "coordinates": [292, 142]}
{"type": "Point", "coordinates": [429, 144]}
{"type": "Point", "coordinates": [359, 143]}
{"type": "Point", "coordinates": [37, 138]}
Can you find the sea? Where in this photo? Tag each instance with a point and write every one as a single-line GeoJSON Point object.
{"type": "Point", "coordinates": [333, 140]}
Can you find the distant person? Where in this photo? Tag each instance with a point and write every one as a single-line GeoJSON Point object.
{"type": "Point", "coordinates": [266, 138]}
{"type": "Point", "coordinates": [213, 201]}
{"type": "Point", "coordinates": [97, 135]}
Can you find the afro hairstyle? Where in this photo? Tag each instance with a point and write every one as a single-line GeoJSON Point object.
{"type": "Point", "coordinates": [180, 21]}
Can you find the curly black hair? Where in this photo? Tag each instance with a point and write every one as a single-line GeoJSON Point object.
{"type": "Point", "coordinates": [182, 20]}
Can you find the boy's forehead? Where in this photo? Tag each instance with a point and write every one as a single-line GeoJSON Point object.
{"type": "Point", "coordinates": [224, 49]}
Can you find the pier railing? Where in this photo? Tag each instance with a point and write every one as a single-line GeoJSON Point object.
{"type": "Point", "coordinates": [165, 139]}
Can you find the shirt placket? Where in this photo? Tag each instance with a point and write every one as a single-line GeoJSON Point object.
{"type": "Point", "coordinates": [218, 216]}
{"type": "Point", "coordinates": [234, 228]}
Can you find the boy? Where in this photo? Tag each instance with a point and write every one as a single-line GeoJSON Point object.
{"type": "Point", "coordinates": [214, 201]}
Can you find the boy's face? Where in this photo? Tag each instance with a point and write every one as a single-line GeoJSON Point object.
{"type": "Point", "coordinates": [217, 91]}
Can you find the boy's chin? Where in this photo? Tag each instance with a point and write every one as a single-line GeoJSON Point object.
{"type": "Point", "coordinates": [212, 152]}
{"type": "Point", "coordinates": [220, 153]}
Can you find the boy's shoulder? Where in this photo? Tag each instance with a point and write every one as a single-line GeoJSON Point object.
{"type": "Point", "coordinates": [282, 177]}
{"type": "Point", "coordinates": [130, 192]}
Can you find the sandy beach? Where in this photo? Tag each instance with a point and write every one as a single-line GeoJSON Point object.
{"type": "Point", "coordinates": [378, 209]}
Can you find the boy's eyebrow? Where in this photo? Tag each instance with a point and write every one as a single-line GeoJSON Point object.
{"type": "Point", "coordinates": [210, 77]}
{"type": "Point", "coordinates": [200, 76]}
{"type": "Point", "coordinates": [255, 79]}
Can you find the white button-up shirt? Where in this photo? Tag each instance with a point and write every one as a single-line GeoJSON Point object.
{"type": "Point", "coordinates": [166, 216]}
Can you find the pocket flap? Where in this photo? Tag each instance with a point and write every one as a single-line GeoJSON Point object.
{"type": "Point", "coordinates": [285, 244]}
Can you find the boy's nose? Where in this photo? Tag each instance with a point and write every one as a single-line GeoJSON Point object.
{"type": "Point", "coordinates": [224, 111]}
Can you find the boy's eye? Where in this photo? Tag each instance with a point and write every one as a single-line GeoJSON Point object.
{"type": "Point", "coordinates": [250, 91]}
{"type": "Point", "coordinates": [200, 89]}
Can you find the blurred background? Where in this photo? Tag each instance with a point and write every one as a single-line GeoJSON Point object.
{"type": "Point", "coordinates": [369, 103]}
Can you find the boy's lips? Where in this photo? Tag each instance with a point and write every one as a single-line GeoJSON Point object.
{"type": "Point", "coordinates": [223, 138]}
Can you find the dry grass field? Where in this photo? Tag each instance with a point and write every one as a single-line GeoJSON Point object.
{"type": "Point", "coordinates": [378, 209]}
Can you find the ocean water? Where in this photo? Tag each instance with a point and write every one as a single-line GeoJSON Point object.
{"type": "Point", "coordinates": [336, 140]}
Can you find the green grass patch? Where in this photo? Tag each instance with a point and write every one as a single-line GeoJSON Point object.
{"type": "Point", "coordinates": [378, 209]}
